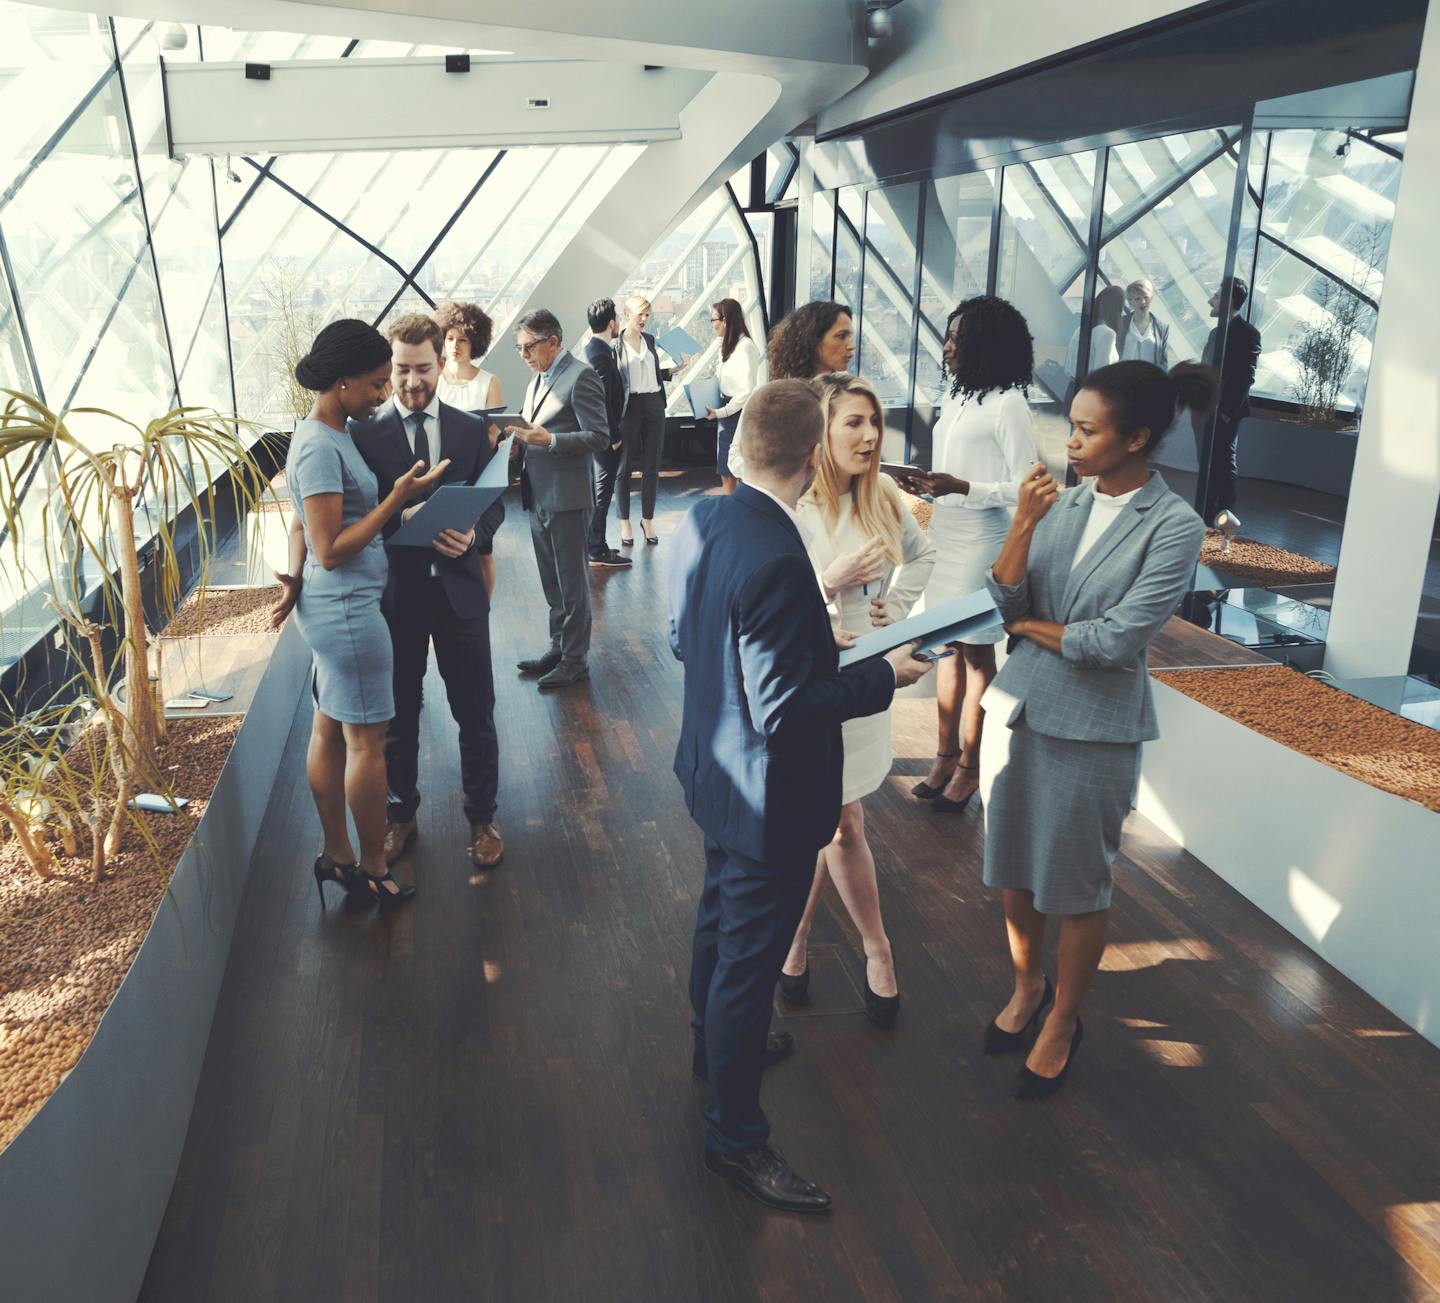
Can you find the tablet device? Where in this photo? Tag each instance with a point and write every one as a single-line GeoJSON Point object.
{"type": "Point", "coordinates": [941, 624]}
{"type": "Point", "coordinates": [507, 421]}
{"type": "Point", "coordinates": [154, 804]}
{"type": "Point", "coordinates": [901, 471]}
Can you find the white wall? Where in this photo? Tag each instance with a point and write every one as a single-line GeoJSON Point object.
{"type": "Point", "coordinates": [942, 45]}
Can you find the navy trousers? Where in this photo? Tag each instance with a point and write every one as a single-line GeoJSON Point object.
{"type": "Point", "coordinates": [743, 928]}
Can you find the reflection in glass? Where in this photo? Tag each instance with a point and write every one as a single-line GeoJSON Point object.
{"type": "Point", "coordinates": [14, 370]}
{"type": "Point", "coordinates": [849, 223]}
{"type": "Point", "coordinates": [892, 232]}
{"type": "Point", "coordinates": [822, 243]}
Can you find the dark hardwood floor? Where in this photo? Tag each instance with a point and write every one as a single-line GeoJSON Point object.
{"type": "Point", "coordinates": [488, 1096]}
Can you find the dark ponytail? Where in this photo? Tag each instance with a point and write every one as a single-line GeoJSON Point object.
{"type": "Point", "coordinates": [1141, 396]}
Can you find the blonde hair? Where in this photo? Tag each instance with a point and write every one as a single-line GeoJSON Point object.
{"type": "Point", "coordinates": [875, 501]}
{"type": "Point", "coordinates": [637, 303]}
{"type": "Point", "coordinates": [1141, 283]}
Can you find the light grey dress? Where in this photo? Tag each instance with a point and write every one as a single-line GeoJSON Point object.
{"type": "Point", "coordinates": [1060, 755]}
{"type": "Point", "coordinates": [339, 610]}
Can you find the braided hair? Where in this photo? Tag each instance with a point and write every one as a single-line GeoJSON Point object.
{"type": "Point", "coordinates": [343, 348]}
{"type": "Point", "coordinates": [994, 351]}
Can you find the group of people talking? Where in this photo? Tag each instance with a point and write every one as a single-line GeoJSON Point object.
{"type": "Point", "coordinates": [806, 546]}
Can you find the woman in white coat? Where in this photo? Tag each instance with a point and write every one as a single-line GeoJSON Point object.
{"type": "Point", "coordinates": [872, 561]}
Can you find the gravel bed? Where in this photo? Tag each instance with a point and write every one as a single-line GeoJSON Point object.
{"type": "Point", "coordinates": [224, 610]}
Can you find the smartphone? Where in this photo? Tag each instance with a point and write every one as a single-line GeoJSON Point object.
{"type": "Point", "coordinates": [190, 701]}
{"type": "Point", "coordinates": [153, 804]}
{"type": "Point", "coordinates": [210, 695]}
{"type": "Point", "coordinates": [934, 654]}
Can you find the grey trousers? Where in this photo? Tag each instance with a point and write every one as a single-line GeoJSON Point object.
{"type": "Point", "coordinates": [559, 539]}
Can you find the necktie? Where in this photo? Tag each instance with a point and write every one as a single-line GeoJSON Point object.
{"type": "Point", "coordinates": [422, 443]}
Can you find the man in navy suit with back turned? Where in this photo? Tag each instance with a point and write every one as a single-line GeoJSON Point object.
{"type": "Point", "coordinates": [600, 355]}
{"type": "Point", "coordinates": [760, 759]}
{"type": "Point", "coordinates": [436, 594]}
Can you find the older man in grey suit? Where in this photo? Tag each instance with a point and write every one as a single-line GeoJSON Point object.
{"type": "Point", "coordinates": [565, 408]}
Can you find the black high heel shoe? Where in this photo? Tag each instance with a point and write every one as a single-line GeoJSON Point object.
{"type": "Point", "coordinates": [652, 539]}
{"type": "Point", "coordinates": [922, 789]}
{"type": "Point", "coordinates": [795, 988]}
{"type": "Point", "coordinates": [386, 898]}
{"type": "Point", "coordinates": [1031, 1085]}
{"type": "Point", "coordinates": [942, 804]}
{"type": "Point", "coordinates": [998, 1041]}
{"type": "Point", "coordinates": [881, 1009]}
{"type": "Point", "coordinates": [342, 875]}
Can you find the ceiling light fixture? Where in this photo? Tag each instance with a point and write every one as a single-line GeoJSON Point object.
{"type": "Point", "coordinates": [878, 22]}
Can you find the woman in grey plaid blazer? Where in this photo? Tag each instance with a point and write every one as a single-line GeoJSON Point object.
{"type": "Point", "coordinates": [1085, 580]}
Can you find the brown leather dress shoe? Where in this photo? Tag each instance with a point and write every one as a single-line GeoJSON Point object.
{"type": "Point", "coordinates": [399, 838]}
{"type": "Point", "coordinates": [486, 847]}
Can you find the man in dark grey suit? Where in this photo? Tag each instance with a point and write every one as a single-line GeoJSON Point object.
{"type": "Point", "coordinates": [565, 408]}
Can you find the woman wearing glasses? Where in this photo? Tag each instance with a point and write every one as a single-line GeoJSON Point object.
{"type": "Point", "coordinates": [738, 374]}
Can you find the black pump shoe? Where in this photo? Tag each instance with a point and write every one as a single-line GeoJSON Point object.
{"type": "Point", "coordinates": [386, 898]}
{"type": "Point", "coordinates": [881, 1009]}
{"type": "Point", "coordinates": [1031, 1085]}
{"type": "Point", "coordinates": [795, 988]}
{"type": "Point", "coordinates": [342, 875]}
{"type": "Point", "coordinates": [923, 790]}
{"type": "Point", "coordinates": [999, 1041]}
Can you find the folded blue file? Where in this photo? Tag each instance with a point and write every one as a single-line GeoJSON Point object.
{"type": "Point", "coordinates": [703, 395]}
{"type": "Point", "coordinates": [958, 618]}
{"type": "Point", "coordinates": [456, 506]}
{"type": "Point", "coordinates": [677, 342]}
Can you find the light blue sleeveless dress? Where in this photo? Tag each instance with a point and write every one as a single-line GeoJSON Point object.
{"type": "Point", "coordinates": [339, 610]}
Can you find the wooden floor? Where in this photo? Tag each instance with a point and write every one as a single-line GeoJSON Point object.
{"type": "Point", "coordinates": [488, 1097]}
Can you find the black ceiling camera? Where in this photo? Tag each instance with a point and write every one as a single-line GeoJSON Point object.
{"type": "Point", "coordinates": [457, 63]}
{"type": "Point", "coordinates": [257, 72]}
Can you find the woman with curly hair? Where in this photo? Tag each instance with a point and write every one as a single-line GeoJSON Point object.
{"type": "Point", "coordinates": [814, 340]}
{"type": "Point", "coordinates": [983, 446]}
{"type": "Point", "coordinates": [463, 383]}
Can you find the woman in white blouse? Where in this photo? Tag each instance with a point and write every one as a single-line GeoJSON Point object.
{"type": "Point", "coordinates": [642, 429]}
{"type": "Point", "coordinates": [738, 374]}
{"type": "Point", "coordinates": [463, 382]}
{"type": "Point", "coordinates": [1143, 337]}
{"type": "Point", "coordinates": [872, 561]}
{"type": "Point", "coordinates": [983, 446]}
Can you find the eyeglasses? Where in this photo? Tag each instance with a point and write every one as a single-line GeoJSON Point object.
{"type": "Point", "coordinates": [526, 349]}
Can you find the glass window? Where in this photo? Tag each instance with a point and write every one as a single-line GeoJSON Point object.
{"type": "Point", "coordinates": [892, 229]}
{"type": "Point", "coordinates": [14, 369]}
{"type": "Point", "coordinates": [822, 243]}
{"type": "Point", "coordinates": [849, 223]}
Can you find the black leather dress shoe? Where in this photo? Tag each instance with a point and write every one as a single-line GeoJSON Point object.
{"type": "Point", "coordinates": [540, 664]}
{"type": "Point", "coordinates": [778, 1046]}
{"type": "Point", "coordinates": [764, 1174]}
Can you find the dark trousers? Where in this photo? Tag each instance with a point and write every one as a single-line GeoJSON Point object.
{"type": "Point", "coordinates": [743, 928]}
{"type": "Point", "coordinates": [462, 651]}
{"type": "Point", "coordinates": [643, 441]}
{"type": "Point", "coordinates": [1223, 490]}
{"type": "Point", "coordinates": [604, 467]}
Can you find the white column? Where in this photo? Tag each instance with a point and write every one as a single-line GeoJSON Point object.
{"type": "Point", "coordinates": [1396, 485]}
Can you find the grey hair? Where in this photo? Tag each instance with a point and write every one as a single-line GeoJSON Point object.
{"type": "Point", "coordinates": [542, 323]}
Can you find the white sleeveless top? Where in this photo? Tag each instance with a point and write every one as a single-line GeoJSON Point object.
{"type": "Point", "coordinates": [469, 397]}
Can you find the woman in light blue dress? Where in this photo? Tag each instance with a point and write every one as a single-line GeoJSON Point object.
{"type": "Point", "coordinates": [337, 574]}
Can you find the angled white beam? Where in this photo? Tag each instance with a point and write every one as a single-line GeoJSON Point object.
{"type": "Point", "coordinates": [315, 105]}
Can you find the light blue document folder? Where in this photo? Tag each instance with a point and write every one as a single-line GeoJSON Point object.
{"type": "Point", "coordinates": [703, 395]}
{"type": "Point", "coordinates": [957, 618]}
{"type": "Point", "coordinates": [456, 506]}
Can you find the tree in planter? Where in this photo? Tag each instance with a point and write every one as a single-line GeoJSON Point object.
{"type": "Point", "coordinates": [294, 321]}
{"type": "Point", "coordinates": [1325, 352]}
{"type": "Point", "coordinates": [96, 491]}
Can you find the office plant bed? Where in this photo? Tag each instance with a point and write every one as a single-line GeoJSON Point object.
{"type": "Point", "coordinates": [225, 611]}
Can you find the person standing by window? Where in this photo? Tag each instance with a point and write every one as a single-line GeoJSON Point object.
{"type": "Point", "coordinates": [644, 423]}
{"type": "Point", "coordinates": [463, 382]}
{"type": "Point", "coordinates": [1237, 375]}
{"type": "Point", "coordinates": [738, 374]}
{"type": "Point", "coordinates": [1143, 336]}
{"type": "Point", "coordinates": [600, 357]}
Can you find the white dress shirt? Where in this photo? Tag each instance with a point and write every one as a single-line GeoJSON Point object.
{"type": "Point", "coordinates": [738, 375]}
{"type": "Point", "coordinates": [1104, 512]}
{"type": "Point", "coordinates": [988, 441]}
{"type": "Point", "coordinates": [1142, 347]}
{"type": "Point", "coordinates": [640, 374]}
{"type": "Point", "coordinates": [432, 425]}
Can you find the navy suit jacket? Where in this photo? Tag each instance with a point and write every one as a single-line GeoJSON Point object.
{"type": "Point", "coordinates": [601, 357]}
{"type": "Point", "coordinates": [760, 755]}
{"type": "Point", "coordinates": [465, 439]}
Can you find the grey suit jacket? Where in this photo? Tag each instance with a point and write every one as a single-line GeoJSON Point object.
{"type": "Point", "coordinates": [1112, 604]}
{"type": "Point", "coordinates": [572, 408]}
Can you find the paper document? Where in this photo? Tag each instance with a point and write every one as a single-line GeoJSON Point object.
{"type": "Point", "coordinates": [455, 506]}
{"type": "Point", "coordinates": [957, 618]}
{"type": "Point", "coordinates": [677, 343]}
{"type": "Point", "coordinates": [703, 395]}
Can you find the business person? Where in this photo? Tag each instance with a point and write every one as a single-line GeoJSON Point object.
{"type": "Point", "coordinates": [1085, 580]}
{"type": "Point", "coordinates": [567, 422]}
{"type": "Point", "coordinates": [872, 560]}
{"type": "Point", "coordinates": [465, 385]}
{"type": "Point", "coordinates": [600, 355]}
{"type": "Point", "coordinates": [644, 422]}
{"type": "Point", "coordinates": [1237, 375]}
{"type": "Point", "coordinates": [1142, 337]}
{"type": "Point", "coordinates": [435, 596]}
{"type": "Point", "coordinates": [760, 761]}
{"type": "Point", "coordinates": [337, 572]}
{"type": "Point", "coordinates": [982, 445]}
{"type": "Point", "coordinates": [815, 339]}
{"type": "Point", "coordinates": [1106, 317]}
{"type": "Point", "coordinates": [737, 375]}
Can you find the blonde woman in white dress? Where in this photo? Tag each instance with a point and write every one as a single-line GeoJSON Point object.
{"type": "Point", "coordinates": [872, 561]}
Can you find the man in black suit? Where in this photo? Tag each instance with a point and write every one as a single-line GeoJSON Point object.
{"type": "Point", "coordinates": [600, 354]}
{"type": "Point", "coordinates": [760, 761]}
{"type": "Point", "coordinates": [1237, 374]}
{"type": "Point", "coordinates": [436, 594]}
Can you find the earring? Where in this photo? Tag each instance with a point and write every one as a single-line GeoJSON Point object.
{"type": "Point", "coordinates": [342, 384]}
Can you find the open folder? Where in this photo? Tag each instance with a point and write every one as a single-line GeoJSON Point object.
{"type": "Point", "coordinates": [704, 395]}
{"type": "Point", "coordinates": [958, 618]}
{"type": "Point", "coordinates": [678, 342]}
{"type": "Point", "coordinates": [456, 506]}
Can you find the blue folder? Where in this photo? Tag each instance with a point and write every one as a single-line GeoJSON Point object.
{"type": "Point", "coordinates": [456, 506]}
{"type": "Point", "coordinates": [677, 342]}
{"type": "Point", "coordinates": [958, 618]}
{"type": "Point", "coordinates": [703, 395]}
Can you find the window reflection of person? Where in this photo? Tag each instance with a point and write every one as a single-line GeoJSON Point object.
{"type": "Point", "coordinates": [1143, 337]}
{"type": "Point", "coordinates": [1106, 317]}
{"type": "Point", "coordinates": [1237, 374]}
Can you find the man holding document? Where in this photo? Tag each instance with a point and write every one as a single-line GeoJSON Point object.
{"type": "Point", "coordinates": [436, 590]}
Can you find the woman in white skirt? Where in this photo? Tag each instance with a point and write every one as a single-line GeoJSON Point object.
{"type": "Point", "coordinates": [872, 561]}
{"type": "Point", "coordinates": [983, 445]}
